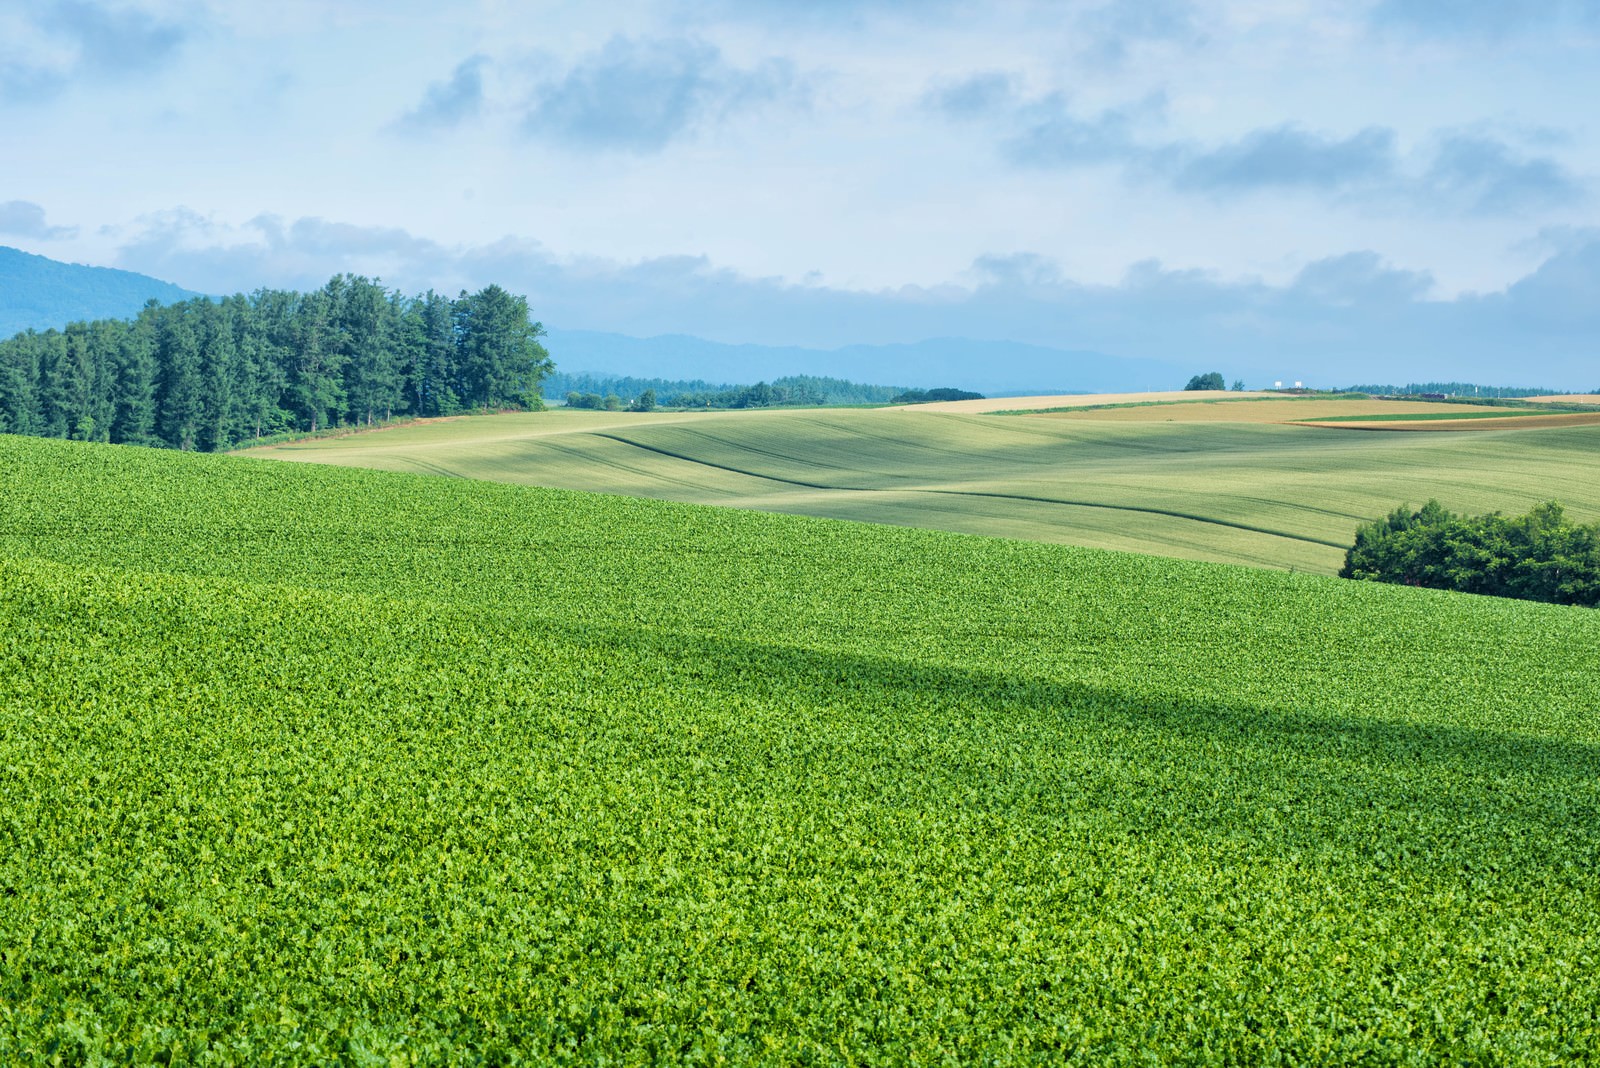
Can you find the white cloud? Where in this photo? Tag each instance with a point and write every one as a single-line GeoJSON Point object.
{"type": "Point", "coordinates": [638, 95]}
{"type": "Point", "coordinates": [53, 43]}
{"type": "Point", "coordinates": [449, 103]}
{"type": "Point", "coordinates": [23, 218]}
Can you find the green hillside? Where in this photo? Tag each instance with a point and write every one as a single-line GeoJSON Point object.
{"type": "Point", "coordinates": [320, 765]}
{"type": "Point", "coordinates": [1265, 494]}
{"type": "Point", "coordinates": [39, 293]}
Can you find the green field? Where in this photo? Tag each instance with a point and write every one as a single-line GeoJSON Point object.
{"type": "Point", "coordinates": [316, 765]}
{"type": "Point", "coordinates": [1258, 493]}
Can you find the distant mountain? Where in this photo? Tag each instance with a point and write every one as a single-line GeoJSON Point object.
{"type": "Point", "coordinates": [41, 293]}
{"type": "Point", "coordinates": [992, 367]}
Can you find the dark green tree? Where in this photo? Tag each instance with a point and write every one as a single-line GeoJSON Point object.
{"type": "Point", "coordinates": [500, 358]}
{"type": "Point", "coordinates": [218, 357]}
{"type": "Point", "coordinates": [133, 414]}
{"type": "Point", "coordinates": [18, 378]}
{"type": "Point", "coordinates": [367, 330]}
{"type": "Point", "coordinates": [1212, 380]}
{"type": "Point", "coordinates": [435, 380]}
{"type": "Point", "coordinates": [178, 402]}
{"type": "Point", "coordinates": [78, 382]}
{"type": "Point", "coordinates": [316, 384]}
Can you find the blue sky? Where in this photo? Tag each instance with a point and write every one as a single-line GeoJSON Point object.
{"type": "Point", "coordinates": [1332, 191]}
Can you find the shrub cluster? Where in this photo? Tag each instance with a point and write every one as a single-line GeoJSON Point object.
{"type": "Point", "coordinates": [1541, 556]}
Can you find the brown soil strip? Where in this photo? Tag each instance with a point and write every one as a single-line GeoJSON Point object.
{"type": "Point", "coordinates": [1515, 422]}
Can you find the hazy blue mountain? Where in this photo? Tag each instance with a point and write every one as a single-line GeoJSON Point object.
{"type": "Point", "coordinates": [41, 293]}
{"type": "Point", "coordinates": [992, 367]}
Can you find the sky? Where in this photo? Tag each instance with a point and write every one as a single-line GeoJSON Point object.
{"type": "Point", "coordinates": [1341, 191]}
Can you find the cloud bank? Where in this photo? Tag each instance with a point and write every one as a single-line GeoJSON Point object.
{"type": "Point", "coordinates": [1475, 172]}
{"type": "Point", "coordinates": [1342, 319]}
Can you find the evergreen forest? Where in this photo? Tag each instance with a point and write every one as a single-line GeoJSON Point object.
{"type": "Point", "coordinates": [207, 375]}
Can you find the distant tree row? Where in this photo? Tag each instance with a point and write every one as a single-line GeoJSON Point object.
{"type": "Point", "coordinates": [760, 395]}
{"type": "Point", "coordinates": [697, 393]}
{"type": "Point", "coordinates": [1455, 389]}
{"type": "Point", "coordinates": [625, 387]}
{"type": "Point", "coordinates": [644, 402]}
{"type": "Point", "coordinates": [209, 375]}
{"type": "Point", "coordinates": [1213, 380]}
{"type": "Point", "coordinates": [924, 396]}
{"type": "Point", "coordinates": [1541, 556]}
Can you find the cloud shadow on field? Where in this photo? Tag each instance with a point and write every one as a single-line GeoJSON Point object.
{"type": "Point", "coordinates": [1451, 801]}
{"type": "Point", "coordinates": [853, 731]}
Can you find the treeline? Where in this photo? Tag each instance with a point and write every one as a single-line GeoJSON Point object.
{"type": "Point", "coordinates": [790, 392]}
{"type": "Point", "coordinates": [625, 388]}
{"type": "Point", "coordinates": [616, 392]}
{"type": "Point", "coordinates": [1541, 556]}
{"type": "Point", "coordinates": [923, 396]}
{"type": "Point", "coordinates": [644, 402]}
{"type": "Point", "coordinates": [208, 374]}
{"type": "Point", "coordinates": [1455, 389]}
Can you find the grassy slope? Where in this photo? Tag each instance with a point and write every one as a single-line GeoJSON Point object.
{"type": "Point", "coordinates": [316, 763]}
{"type": "Point", "coordinates": [1245, 492]}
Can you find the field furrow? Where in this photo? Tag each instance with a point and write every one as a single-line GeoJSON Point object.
{"type": "Point", "coordinates": [1299, 491]}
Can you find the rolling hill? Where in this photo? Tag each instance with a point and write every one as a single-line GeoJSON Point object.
{"type": "Point", "coordinates": [1227, 480]}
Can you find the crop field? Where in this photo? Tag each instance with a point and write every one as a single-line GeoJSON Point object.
{"type": "Point", "coordinates": [1161, 479]}
{"type": "Point", "coordinates": [318, 765]}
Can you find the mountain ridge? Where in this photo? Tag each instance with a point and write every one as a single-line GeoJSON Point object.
{"type": "Point", "coordinates": [39, 293]}
{"type": "Point", "coordinates": [993, 367]}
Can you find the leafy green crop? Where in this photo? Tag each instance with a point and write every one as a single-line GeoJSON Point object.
{"type": "Point", "coordinates": [325, 766]}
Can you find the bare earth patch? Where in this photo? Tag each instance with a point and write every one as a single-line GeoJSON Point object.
{"type": "Point", "coordinates": [1513, 422]}
{"type": "Point", "coordinates": [1572, 398]}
